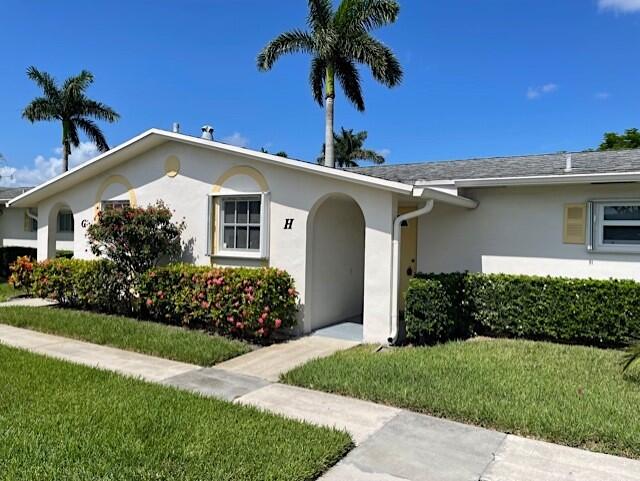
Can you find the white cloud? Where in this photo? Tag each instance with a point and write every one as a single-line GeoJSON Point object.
{"type": "Point", "coordinates": [623, 6]}
{"type": "Point", "coordinates": [236, 139]}
{"type": "Point", "coordinates": [45, 168]}
{"type": "Point", "coordinates": [602, 95]}
{"type": "Point", "coordinates": [384, 152]}
{"type": "Point", "coordinates": [536, 92]}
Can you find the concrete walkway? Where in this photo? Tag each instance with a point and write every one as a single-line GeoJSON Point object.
{"type": "Point", "coordinates": [391, 444]}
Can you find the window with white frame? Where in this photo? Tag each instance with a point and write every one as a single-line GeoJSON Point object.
{"type": "Point", "coordinates": [65, 221]}
{"type": "Point", "coordinates": [240, 223]}
{"type": "Point", "coordinates": [615, 226]}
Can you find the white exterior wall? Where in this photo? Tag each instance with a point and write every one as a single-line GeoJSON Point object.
{"type": "Point", "coordinates": [12, 232]}
{"type": "Point", "coordinates": [293, 194]}
{"type": "Point", "coordinates": [518, 230]}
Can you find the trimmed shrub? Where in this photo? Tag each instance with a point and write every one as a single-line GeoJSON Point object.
{"type": "Point", "coordinates": [580, 311]}
{"type": "Point", "coordinates": [66, 254]}
{"type": "Point", "coordinates": [241, 302]}
{"type": "Point", "coordinates": [82, 284]}
{"type": "Point", "coordinates": [428, 316]}
{"type": "Point", "coordinates": [9, 254]}
{"type": "Point", "coordinates": [22, 273]}
{"type": "Point", "coordinates": [577, 311]}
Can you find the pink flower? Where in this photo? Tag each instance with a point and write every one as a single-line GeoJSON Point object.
{"type": "Point", "coordinates": [229, 318]}
{"type": "Point", "coordinates": [204, 305]}
{"type": "Point", "coordinates": [149, 302]}
{"type": "Point", "coordinates": [277, 323]}
{"type": "Point", "coordinates": [292, 291]}
{"type": "Point", "coordinates": [239, 325]}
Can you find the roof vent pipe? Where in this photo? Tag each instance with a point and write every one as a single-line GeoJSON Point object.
{"type": "Point", "coordinates": [568, 165]}
{"type": "Point", "coordinates": [207, 132]}
{"type": "Point", "coordinates": [175, 128]}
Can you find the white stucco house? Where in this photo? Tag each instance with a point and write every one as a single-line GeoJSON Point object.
{"type": "Point", "coordinates": [353, 238]}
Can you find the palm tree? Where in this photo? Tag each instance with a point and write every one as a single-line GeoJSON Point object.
{"type": "Point", "coordinates": [349, 149]}
{"type": "Point", "coordinates": [338, 42]}
{"type": "Point", "coordinates": [70, 105]}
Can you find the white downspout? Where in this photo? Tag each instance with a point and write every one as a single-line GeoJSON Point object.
{"type": "Point", "coordinates": [30, 215]}
{"type": "Point", "coordinates": [395, 265]}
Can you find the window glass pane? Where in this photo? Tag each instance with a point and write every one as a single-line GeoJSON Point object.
{"type": "Point", "coordinates": [229, 212]}
{"type": "Point", "coordinates": [65, 222]}
{"type": "Point", "coordinates": [229, 236]}
{"type": "Point", "coordinates": [114, 204]}
{"type": "Point", "coordinates": [242, 211]}
{"type": "Point", "coordinates": [254, 237]}
{"type": "Point", "coordinates": [622, 212]}
{"type": "Point", "coordinates": [254, 212]}
{"type": "Point", "coordinates": [241, 237]}
{"type": "Point", "coordinates": [620, 234]}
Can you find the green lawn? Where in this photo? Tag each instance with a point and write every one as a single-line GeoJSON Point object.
{"type": "Point", "coordinates": [64, 421]}
{"type": "Point", "coordinates": [170, 342]}
{"type": "Point", "coordinates": [7, 291]}
{"type": "Point", "coordinates": [566, 394]}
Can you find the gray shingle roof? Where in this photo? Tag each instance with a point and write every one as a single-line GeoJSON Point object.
{"type": "Point", "coordinates": [8, 193]}
{"type": "Point", "coordinates": [497, 167]}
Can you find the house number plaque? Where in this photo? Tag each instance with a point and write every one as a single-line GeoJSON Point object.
{"type": "Point", "coordinates": [288, 224]}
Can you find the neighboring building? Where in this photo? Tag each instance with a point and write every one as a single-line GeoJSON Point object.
{"type": "Point", "coordinates": [350, 238]}
{"type": "Point", "coordinates": [19, 225]}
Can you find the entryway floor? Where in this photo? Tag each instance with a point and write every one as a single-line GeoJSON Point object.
{"type": "Point", "coordinates": [347, 331]}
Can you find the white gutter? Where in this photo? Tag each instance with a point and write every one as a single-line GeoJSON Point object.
{"type": "Point", "coordinates": [543, 180]}
{"type": "Point", "coordinates": [395, 264]}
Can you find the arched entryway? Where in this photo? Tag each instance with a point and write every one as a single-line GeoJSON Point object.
{"type": "Point", "coordinates": [61, 227]}
{"type": "Point", "coordinates": [335, 262]}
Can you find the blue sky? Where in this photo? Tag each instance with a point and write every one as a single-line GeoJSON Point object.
{"type": "Point", "coordinates": [492, 77]}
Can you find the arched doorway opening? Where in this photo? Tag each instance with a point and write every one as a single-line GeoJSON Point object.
{"type": "Point", "coordinates": [61, 229]}
{"type": "Point", "coordinates": [334, 288]}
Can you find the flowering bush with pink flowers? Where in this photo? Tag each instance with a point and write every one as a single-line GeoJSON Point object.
{"type": "Point", "coordinates": [241, 302]}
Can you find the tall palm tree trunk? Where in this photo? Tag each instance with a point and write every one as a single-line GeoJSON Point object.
{"type": "Point", "coordinates": [65, 146]}
{"type": "Point", "coordinates": [329, 158]}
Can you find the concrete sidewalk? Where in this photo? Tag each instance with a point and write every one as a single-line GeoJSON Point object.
{"type": "Point", "coordinates": [391, 444]}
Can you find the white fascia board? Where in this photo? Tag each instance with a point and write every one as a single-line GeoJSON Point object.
{"type": "Point", "coordinates": [551, 179]}
{"type": "Point", "coordinates": [157, 136]}
{"type": "Point", "coordinates": [66, 179]}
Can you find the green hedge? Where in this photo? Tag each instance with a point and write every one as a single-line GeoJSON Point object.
{"type": "Point", "coordinates": [578, 311]}
{"type": "Point", "coordinates": [9, 254]}
{"type": "Point", "coordinates": [242, 302]}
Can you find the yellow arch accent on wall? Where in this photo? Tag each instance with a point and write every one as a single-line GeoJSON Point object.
{"type": "Point", "coordinates": [241, 170]}
{"type": "Point", "coordinates": [115, 179]}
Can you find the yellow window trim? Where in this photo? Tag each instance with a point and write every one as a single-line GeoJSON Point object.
{"type": "Point", "coordinates": [241, 170]}
{"type": "Point", "coordinates": [114, 179]}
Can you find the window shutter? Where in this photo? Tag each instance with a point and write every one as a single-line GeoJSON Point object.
{"type": "Point", "coordinates": [27, 222]}
{"type": "Point", "coordinates": [209, 251]}
{"type": "Point", "coordinates": [575, 216]}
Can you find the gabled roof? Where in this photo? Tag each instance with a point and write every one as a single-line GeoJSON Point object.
{"type": "Point", "coordinates": [155, 137]}
{"type": "Point", "coordinates": [545, 165]}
